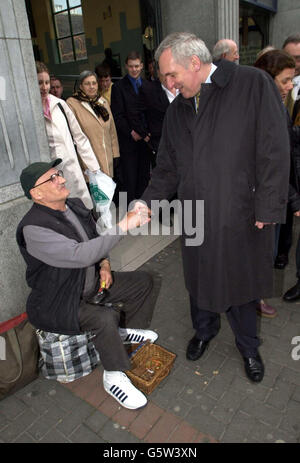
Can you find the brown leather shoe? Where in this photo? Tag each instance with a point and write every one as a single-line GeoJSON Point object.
{"type": "Point", "coordinates": [265, 310]}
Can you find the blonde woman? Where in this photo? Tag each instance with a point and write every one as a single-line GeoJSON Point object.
{"type": "Point", "coordinates": [66, 139]}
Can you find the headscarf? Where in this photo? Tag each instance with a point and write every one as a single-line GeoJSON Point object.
{"type": "Point", "coordinates": [95, 104]}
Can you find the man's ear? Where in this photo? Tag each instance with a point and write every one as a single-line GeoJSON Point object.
{"type": "Point", "coordinates": [35, 194]}
{"type": "Point", "coordinates": [196, 63]}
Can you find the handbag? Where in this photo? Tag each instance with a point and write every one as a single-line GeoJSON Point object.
{"type": "Point", "coordinates": [66, 358]}
{"type": "Point", "coordinates": [19, 354]}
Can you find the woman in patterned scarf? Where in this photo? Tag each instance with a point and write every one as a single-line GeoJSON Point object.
{"type": "Point", "coordinates": [95, 119]}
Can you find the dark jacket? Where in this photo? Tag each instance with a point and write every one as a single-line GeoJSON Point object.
{"type": "Point", "coordinates": [55, 296]}
{"type": "Point", "coordinates": [127, 116]}
{"type": "Point", "coordinates": [294, 188]}
{"type": "Point", "coordinates": [154, 102]}
{"type": "Point", "coordinates": [233, 155]}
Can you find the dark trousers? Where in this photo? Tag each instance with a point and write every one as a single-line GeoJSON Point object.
{"type": "Point", "coordinates": [130, 309]}
{"type": "Point", "coordinates": [298, 258]}
{"type": "Point", "coordinates": [286, 234]}
{"type": "Point", "coordinates": [135, 166]}
{"type": "Point", "coordinates": [242, 320]}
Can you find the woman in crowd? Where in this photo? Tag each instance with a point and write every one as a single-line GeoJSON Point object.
{"type": "Point", "coordinates": [281, 67]}
{"type": "Point", "coordinates": [66, 139]}
{"type": "Point", "coordinates": [95, 118]}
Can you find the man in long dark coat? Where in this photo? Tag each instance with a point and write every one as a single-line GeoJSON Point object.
{"type": "Point", "coordinates": [233, 153]}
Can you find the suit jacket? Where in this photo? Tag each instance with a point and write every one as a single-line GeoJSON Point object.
{"type": "Point", "coordinates": [127, 114]}
{"type": "Point", "coordinates": [154, 103]}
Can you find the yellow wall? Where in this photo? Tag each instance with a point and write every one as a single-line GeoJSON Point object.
{"type": "Point", "coordinates": [93, 19]}
{"type": "Point", "coordinates": [41, 11]}
{"type": "Point", "coordinates": [93, 11]}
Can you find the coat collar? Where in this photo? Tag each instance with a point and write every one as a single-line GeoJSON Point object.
{"type": "Point", "coordinates": [224, 72]}
{"type": "Point", "coordinates": [221, 77]}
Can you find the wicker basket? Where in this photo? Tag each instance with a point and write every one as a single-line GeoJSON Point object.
{"type": "Point", "coordinates": [151, 363]}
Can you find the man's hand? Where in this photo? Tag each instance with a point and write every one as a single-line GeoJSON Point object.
{"type": "Point", "coordinates": [105, 273]}
{"type": "Point", "coordinates": [142, 208]}
{"type": "Point", "coordinates": [297, 213]}
{"type": "Point", "coordinates": [133, 219]}
{"type": "Point", "coordinates": [135, 135]}
{"type": "Point", "coordinates": [261, 225]}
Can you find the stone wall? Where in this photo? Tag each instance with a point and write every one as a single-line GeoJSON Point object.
{"type": "Point", "coordinates": [210, 20]}
{"type": "Point", "coordinates": [22, 141]}
{"type": "Point", "coordinates": [285, 22]}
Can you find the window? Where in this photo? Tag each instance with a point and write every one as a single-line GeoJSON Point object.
{"type": "Point", "coordinates": [69, 30]}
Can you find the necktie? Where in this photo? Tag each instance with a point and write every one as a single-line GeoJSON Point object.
{"type": "Point", "coordinates": [197, 96]}
{"type": "Point", "coordinates": [137, 85]}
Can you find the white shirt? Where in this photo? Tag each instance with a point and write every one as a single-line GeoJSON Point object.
{"type": "Point", "coordinates": [296, 88]}
{"type": "Point", "coordinates": [208, 80]}
{"type": "Point", "coordinates": [169, 94]}
{"type": "Point", "coordinates": [212, 70]}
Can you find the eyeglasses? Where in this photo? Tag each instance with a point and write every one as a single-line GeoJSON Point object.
{"type": "Point", "coordinates": [52, 179]}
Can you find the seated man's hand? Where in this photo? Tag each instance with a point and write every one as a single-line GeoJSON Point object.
{"type": "Point", "coordinates": [105, 273]}
{"type": "Point", "coordinates": [297, 213]}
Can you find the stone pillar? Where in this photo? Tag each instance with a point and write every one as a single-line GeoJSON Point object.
{"type": "Point", "coordinates": [228, 19]}
{"type": "Point", "coordinates": [22, 141]}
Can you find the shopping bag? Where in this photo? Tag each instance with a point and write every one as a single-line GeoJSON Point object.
{"type": "Point", "coordinates": [102, 189]}
{"type": "Point", "coordinates": [19, 355]}
{"type": "Point", "coordinates": [66, 358]}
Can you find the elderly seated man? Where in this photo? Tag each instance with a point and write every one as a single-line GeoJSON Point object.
{"type": "Point", "coordinates": [67, 263]}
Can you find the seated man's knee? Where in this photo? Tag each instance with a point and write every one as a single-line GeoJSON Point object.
{"type": "Point", "coordinates": [146, 280]}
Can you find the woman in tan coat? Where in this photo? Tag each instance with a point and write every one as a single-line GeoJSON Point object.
{"type": "Point", "coordinates": [95, 119]}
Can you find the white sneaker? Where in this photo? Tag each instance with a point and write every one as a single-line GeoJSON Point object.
{"type": "Point", "coordinates": [119, 386]}
{"type": "Point", "coordinates": [130, 335]}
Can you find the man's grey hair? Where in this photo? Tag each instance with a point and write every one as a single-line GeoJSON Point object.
{"type": "Point", "coordinates": [294, 38]}
{"type": "Point", "coordinates": [222, 47]}
{"type": "Point", "coordinates": [183, 45]}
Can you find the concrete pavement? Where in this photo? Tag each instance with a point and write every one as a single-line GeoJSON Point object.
{"type": "Point", "coordinates": [209, 400]}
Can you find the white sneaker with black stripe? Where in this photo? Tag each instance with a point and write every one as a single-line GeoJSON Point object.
{"type": "Point", "coordinates": [130, 335]}
{"type": "Point", "coordinates": [119, 386]}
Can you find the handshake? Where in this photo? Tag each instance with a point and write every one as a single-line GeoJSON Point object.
{"type": "Point", "coordinates": [138, 216]}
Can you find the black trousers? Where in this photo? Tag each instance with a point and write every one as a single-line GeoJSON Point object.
{"type": "Point", "coordinates": [242, 320]}
{"type": "Point", "coordinates": [286, 234]}
{"type": "Point", "coordinates": [135, 165]}
{"type": "Point", "coordinates": [130, 309]}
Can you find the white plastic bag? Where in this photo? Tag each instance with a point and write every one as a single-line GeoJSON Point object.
{"type": "Point", "coordinates": [102, 188]}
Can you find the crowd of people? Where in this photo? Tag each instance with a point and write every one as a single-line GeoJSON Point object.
{"type": "Point", "coordinates": [201, 126]}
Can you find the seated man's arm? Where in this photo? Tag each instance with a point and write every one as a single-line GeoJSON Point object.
{"type": "Point", "coordinates": [59, 251]}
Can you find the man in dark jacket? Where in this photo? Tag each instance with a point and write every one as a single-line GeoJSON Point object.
{"type": "Point", "coordinates": [224, 142]}
{"type": "Point", "coordinates": [155, 97]}
{"type": "Point", "coordinates": [131, 128]}
{"type": "Point", "coordinates": [67, 263]}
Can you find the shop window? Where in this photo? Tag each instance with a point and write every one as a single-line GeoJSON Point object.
{"type": "Point", "coordinates": [69, 30]}
{"type": "Point", "coordinates": [254, 30]}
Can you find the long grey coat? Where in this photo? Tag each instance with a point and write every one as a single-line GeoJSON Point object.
{"type": "Point", "coordinates": [234, 155]}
